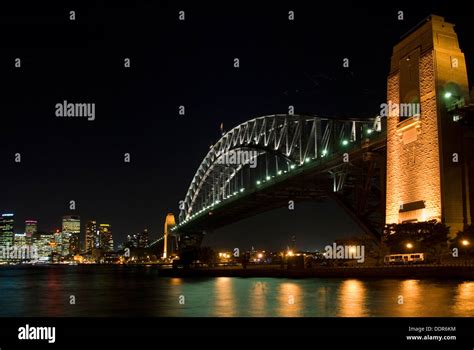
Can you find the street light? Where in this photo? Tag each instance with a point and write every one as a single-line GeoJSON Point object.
{"type": "Point", "coordinates": [409, 245]}
{"type": "Point", "coordinates": [452, 101]}
{"type": "Point", "coordinates": [465, 242]}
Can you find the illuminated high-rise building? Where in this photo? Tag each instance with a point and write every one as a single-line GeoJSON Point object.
{"type": "Point", "coordinates": [21, 239]}
{"type": "Point", "coordinates": [6, 230]}
{"type": "Point", "coordinates": [132, 241]}
{"type": "Point", "coordinates": [31, 227]}
{"type": "Point", "coordinates": [106, 241]}
{"type": "Point", "coordinates": [45, 245]}
{"type": "Point", "coordinates": [23, 248]}
{"type": "Point", "coordinates": [57, 247]}
{"type": "Point", "coordinates": [61, 241]}
{"type": "Point", "coordinates": [71, 231]}
{"type": "Point", "coordinates": [143, 239]}
{"type": "Point", "coordinates": [91, 232]}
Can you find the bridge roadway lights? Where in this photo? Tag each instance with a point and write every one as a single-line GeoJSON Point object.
{"type": "Point", "coordinates": [293, 170]}
{"type": "Point", "coordinates": [267, 181]}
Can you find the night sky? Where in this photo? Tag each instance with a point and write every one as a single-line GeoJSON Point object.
{"type": "Point", "coordinates": [177, 63]}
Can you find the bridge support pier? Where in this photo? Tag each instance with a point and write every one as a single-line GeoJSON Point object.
{"type": "Point", "coordinates": [424, 149]}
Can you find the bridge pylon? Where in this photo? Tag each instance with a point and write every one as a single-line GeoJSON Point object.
{"type": "Point", "coordinates": [169, 224]}
{"type": "Point", "coordinates": [426, 166]}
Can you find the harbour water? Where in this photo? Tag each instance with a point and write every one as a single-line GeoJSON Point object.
{"type": "Point", "coordinates": [128, 291]}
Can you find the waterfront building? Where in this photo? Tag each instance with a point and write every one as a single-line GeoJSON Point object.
{"type": "Point", "coordinates": [6, 229]}
{"type": "Point", "coordinates": [71, 230]}
{"type": "Point", "coordinates": [105, 238]}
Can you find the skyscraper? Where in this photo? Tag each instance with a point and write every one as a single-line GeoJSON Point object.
{"type": "Point", "coordinates": [45, 243]}
{"type": "Point", "coordinates": [71, 231]}
{"type": "Point", "coordinates": [6, 230]}
{"type": "Point", "coordinates": [143, 239]}
{"type": "Point", "coordinates": [62, 243]}
{"type": "Point", "coordinates": [23, 248]}
{"type": "Point", "coordinates": [57, 246]}
{"type": "Point", "coordinates": [20, 239]}
{"type": "Point", "coordinates": [132, 241]}
{"type": "Point", "coordinates": [91, 231]}
{"type": "Point", "coordinates": [105, 238]}
{"type": "Point", "coordinates": [31, 227]}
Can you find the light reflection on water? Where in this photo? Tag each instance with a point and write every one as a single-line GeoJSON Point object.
{"type": "Point", "coordinates": [224, 297]}
{"type": "Point", "coordinates": [352, 299]}
{"type": "Point", "coordinates": [258, 296]}
{"type": "Point", "coordinates": [136, 291]}
{"type": "Point", "coordinates": [407, 302]}
{"type": "Point", "coordinates": [290, 299]}
{"type": "Point", "coordinates": [464, 299]}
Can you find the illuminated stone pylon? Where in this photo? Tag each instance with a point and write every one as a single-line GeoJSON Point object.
{"type": "Point", "coordinates": [425, 169]}
{"type": "Point", "coordinates": [170, 222]}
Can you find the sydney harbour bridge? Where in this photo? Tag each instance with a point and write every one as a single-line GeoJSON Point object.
{"type": "Point", "coordinates": [392, 169]}
{"type": "Point", "coordinates": [298, 157]}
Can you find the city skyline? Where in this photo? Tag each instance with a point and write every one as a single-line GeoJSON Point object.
{"type": "Point", "coordinates": [68, 240]}
{"type": "Point", "coordinates": [89, 228]}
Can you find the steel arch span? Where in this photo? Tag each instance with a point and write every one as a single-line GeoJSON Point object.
{"type": "Point", "coordinates": [266, 154]}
